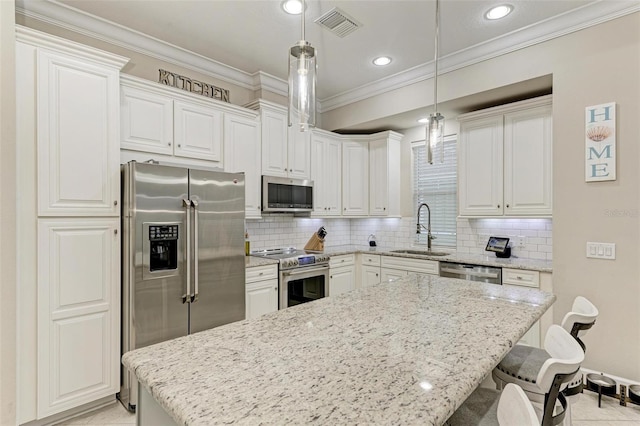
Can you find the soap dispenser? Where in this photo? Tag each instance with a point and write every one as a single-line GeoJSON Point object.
{"type": "Point", "coordinates": [247, 244]}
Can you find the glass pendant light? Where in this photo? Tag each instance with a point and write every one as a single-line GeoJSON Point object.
{"type": "Point", "coordinates": [435, 125]}
{"type": "Point", "coordinates": [302, 83]}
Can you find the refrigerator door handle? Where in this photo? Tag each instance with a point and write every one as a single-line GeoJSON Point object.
{"type": "Point", "coordinates": [187, 205]}
{"type": "Point", "coordinates": [194, 296]}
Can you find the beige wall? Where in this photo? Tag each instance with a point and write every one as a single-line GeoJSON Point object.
{"type": "Point", "coordinates": [7, 215]}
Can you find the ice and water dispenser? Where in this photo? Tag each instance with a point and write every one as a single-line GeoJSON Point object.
{"type": "Point", "coordinates": [163, 247]}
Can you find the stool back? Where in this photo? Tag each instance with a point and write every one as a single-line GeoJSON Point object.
{"type": "Point", "coordinates": [581, 318]}
{"type": "Point", "coordinates": [515, 409]}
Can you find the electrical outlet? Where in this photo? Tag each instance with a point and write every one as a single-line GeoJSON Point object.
{"type": "Point", "coordinates": [520, 240]}
{"type": "Point", "coordinates": [601, 250]}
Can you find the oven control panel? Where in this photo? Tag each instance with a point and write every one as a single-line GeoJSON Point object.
{"type": "Point", "coordinates": [302, 261]}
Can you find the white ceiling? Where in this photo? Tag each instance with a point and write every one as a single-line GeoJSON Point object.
{"type": "Point", "coordinates": [255, 36]}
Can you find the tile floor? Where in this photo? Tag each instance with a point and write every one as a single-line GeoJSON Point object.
{"type": "Point", "coordinates": [585, 413]}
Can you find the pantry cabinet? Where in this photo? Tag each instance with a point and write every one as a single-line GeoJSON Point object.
{"type": "Point", "coordinates": [505, 160]}
{"type": "Point", "coordinates": [261, 294]}
{"type": "Point", "coordinates": [285, 150]}
{"type": "Point", "coordinates": [68, 253]}
{"type": "Point", "coordinates": [326, 174]}
{"type": "Point", "coordinates": [243, 154]}
{"type": "Point", "coordinates": [355, 178]}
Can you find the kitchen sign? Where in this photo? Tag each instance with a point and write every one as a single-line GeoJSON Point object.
{"type": "Point", "coordinates": [193, 86]}
{"type": "Point", "coordinates": [600, 142]}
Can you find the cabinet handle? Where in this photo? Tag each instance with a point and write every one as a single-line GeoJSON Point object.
{"type": "Point", "coordinates": [519, 277]}
{"type": "Point", "coordinates": [261, 273]}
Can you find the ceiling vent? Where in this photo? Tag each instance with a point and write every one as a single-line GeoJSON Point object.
{"type": "Point", "coordinates": [338, 22]}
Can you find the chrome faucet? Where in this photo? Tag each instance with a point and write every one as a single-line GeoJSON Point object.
{"type": "Point", "coordinates": [428, 228]}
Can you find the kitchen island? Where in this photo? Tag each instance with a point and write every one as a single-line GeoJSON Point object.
{"type": "Point", "coordinates": [403, 352]}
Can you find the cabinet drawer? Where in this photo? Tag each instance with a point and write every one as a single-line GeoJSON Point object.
{"type": "Point", "coordinates": [342, 260]}
{"type": "Point", "coordinates": [521, 277]}
{"type": "Point", "coordinates": [422, 266]}
{"type": "Point", "coordinates": [370, 259]}
{"type": "Point", "coordinates": [261, 273]}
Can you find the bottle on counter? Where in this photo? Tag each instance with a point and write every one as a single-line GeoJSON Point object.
{"type": "Point", "coordinates": [247, 244]}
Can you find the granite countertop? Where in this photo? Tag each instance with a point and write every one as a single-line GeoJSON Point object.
{"type": "Point", "coordinates": [253, 261]}
{"type": "Point", "coordinates": [490, 260]}
{"type": "Point", "coordinates": [403, 352]}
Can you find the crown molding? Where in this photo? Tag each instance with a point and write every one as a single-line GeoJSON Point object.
{"type": "Point", "coordinates": [558, 26]}
{"type": "Point", "coordinates": [72, 19]}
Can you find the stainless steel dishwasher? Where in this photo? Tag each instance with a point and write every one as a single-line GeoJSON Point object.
{"type": "Point", "coordinates": [485, 274]}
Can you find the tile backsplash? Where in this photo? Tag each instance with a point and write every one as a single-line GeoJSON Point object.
{"type": "Point", "coordinates": [283, 230]}
{"type": "Point", "coordinates": [529, 238]}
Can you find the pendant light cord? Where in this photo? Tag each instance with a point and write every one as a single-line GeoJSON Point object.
{"type": "Point", "coordinates": [435, 75]}
{"type": "Point", "coordinates": [302, 16]}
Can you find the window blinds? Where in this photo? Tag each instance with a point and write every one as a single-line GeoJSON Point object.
{"type": "Point", "coordinates": [436, 185]}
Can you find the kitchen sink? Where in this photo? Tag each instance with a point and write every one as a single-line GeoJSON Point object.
{"type": "Point", "coordinates": [422, 252]}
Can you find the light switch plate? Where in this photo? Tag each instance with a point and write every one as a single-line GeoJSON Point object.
{"type": "Point", "coordinates": [601, 250]}
{"type": "Point", "coordinates": [520, 240]}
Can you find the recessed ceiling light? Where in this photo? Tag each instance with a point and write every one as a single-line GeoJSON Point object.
{"type": "Point", "coordinates": [382, 60]}
{"type": "Point", "coordinates": [498, 12]}
{"type": "Point", "coordinates": [292, 7]}
{"type": "Point", "coordinates": [423, 120]}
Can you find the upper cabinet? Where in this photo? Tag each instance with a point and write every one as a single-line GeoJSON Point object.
{"type": "Point", "coordinates": [505, 160]}
{"type": "Point", "coordinates": [355, 178]}
{"type": "Point", "coordinates": [285, 151]}
{"type": "Point", "coordinates": [326, 173]}
{"type": "Point", "coordinates": [160, 120]}
{"type": "Point", "coordinates": [77, 135]}
{"type": "Point", "coordinates": [384, 175]}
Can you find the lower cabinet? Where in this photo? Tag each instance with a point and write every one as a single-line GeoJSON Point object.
{"type": "Point", "coordinates": [388, 274]}
{"type": "Point", "coordinates": [523, 278]}
{"type": "Point", "coordinates": [261, 291]}
{"type": "Point", "coordinates": [369, 269]}
{"type": "Point", "coordinates": [342, 274]}
{"type": "Point", "coordinates": [393, 267]}
{"type": "Point", "coordinates": [78, 305]}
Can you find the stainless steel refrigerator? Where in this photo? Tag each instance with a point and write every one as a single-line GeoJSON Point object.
{"type": "Point", "coordinates": [183, 261]}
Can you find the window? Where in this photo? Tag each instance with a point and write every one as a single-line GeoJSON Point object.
{"type": "Point", "coordinates": [436, 185]}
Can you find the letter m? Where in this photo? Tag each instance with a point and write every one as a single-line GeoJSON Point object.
{"type": "Point", "coordinates": [593, 151]}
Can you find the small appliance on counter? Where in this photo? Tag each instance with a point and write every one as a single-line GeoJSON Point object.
{"type": "Point", "coordinates": [316, 242]}
{"type": "Point", "coordinates": [500, 246]}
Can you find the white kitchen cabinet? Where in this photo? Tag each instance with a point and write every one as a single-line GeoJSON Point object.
{"type": "Point", "coordinates": [146, 119]}
{"type": "Point", "coordinates": [78, 312]}
{"type": "Point", "coordinates": [384, 175]}
{"type": "Point", "coordinates": [285, 151]}
{"type": "Point", "coordinates": [355, 178]}
{"type": "Point", "coordinates": [77, 136]}
{"type": "Point", "coordinates": [391, 274]}
{"type": "Point", "coordinates": [412, 265]}
{"type": "Point", "coordinates": [197, 131]}
{"type": "Point", "coordinates": [68, 259]}
{"type": "Point", "coordinates": [326, 173]}
{"type": "Point", "coordinates": [342, 274]}
{"type": "Point", "coordinates": [261, 294]}
{"type": "Point", "coordinates": [505, 160]}
{"type": "Point", "coordinates": [370, 275]}
{"type": "Point", "coordinates": [524, 278]}
{"type": "Point", "coordinates": [242, 153]}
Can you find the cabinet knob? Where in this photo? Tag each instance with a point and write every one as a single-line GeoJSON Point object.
{"type": "Point", "coordinates": [376, 275]}
{"type": "Point", "coordinates": [507, 205]}
{"type": "Point", "coordinates": [384, 208]}
{"type": "Point", "coordinates": [285, 169]}
{"type": "Point", "coordinates": [179, 145]}
{"type": "Point", "coordinates": [115, 232]}
{"type": "Point", "coordinates": [115, 203]}
{"type": "Point", "coordinates": [331, 276]}
{"type": "Point", "coordinates": [290, 170]}
{"type": "Point", "coordinates": [498, 205]}
{"type": "Point", "coordinates": [261, 273]}
{"type": "Point", "coordinates": [169, 143]}
{"type": "Point", "coordinates": [345, 209]}
{"type": "Point", "coordinates": [275, 288]}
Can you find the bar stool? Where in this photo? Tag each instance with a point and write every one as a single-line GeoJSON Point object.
{"type": "Point", "coordinates": [522, 363]}
{"type": "Point", "coordinates": [515, 409]}
{"type": "Point", "coordinates": [566, 355]}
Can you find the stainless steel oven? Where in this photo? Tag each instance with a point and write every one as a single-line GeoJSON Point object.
{"type": "Point", "coordinates": [304, 275]}
{"type": "Point", "coordinates": [301, 285]}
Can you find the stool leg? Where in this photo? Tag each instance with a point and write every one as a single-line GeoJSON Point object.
{"type": "Point", "coordinates": [599, 396]}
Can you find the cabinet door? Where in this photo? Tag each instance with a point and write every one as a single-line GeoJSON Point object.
{"type": "Point", "coordinates": [77, 135]}
{"type": "Point", "coordinates": [370, 275]}
{"type": "Point", "coordinates": [261, 298]}
{"type": "Point", "coordinates": [274, 143]}
{"type": "Point", "coordinates": [197, 131]}
{"type": "Point", "coordinates": [326, 173]}
{"type": "Point", "coordinates": [355, 178]}
{"type": "Point", "coordinates": [379, 188]}
{"type": "Point", "coordinates": [387, 274]}
{"type": "Point", "coordinates": [147, 121]}
{"type": "Point", "coordinates": [299, 153]}
{"type": "Point", "coordinates": [242, 154]}
{"type": "Point", "coordinates": [480, 173]}
{"type": "Point", "coordinates": [342, 280]}
{"type": "Point", "coordinates": [528, 162]}
{"type": "Point", "coordinates": [78, 302]}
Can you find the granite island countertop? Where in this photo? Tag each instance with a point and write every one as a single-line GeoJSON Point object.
{"type": "Point", "coordinates": [402, 352]}
{"type": "Point", "coordinates": [476, 259]}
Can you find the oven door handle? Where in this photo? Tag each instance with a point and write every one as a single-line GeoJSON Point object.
{"type": "Point", "coordinates": [305, 271]}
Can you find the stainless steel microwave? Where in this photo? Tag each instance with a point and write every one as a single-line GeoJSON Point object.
{"type": "Point", "coordinates": [286, 195]}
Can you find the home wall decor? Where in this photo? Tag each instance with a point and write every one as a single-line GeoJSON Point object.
{"type": "Point", "coordinates": [600, 142]}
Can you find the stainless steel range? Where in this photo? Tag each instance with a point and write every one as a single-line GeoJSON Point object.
{"type": "Point", "coordinates": [304, 275]}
